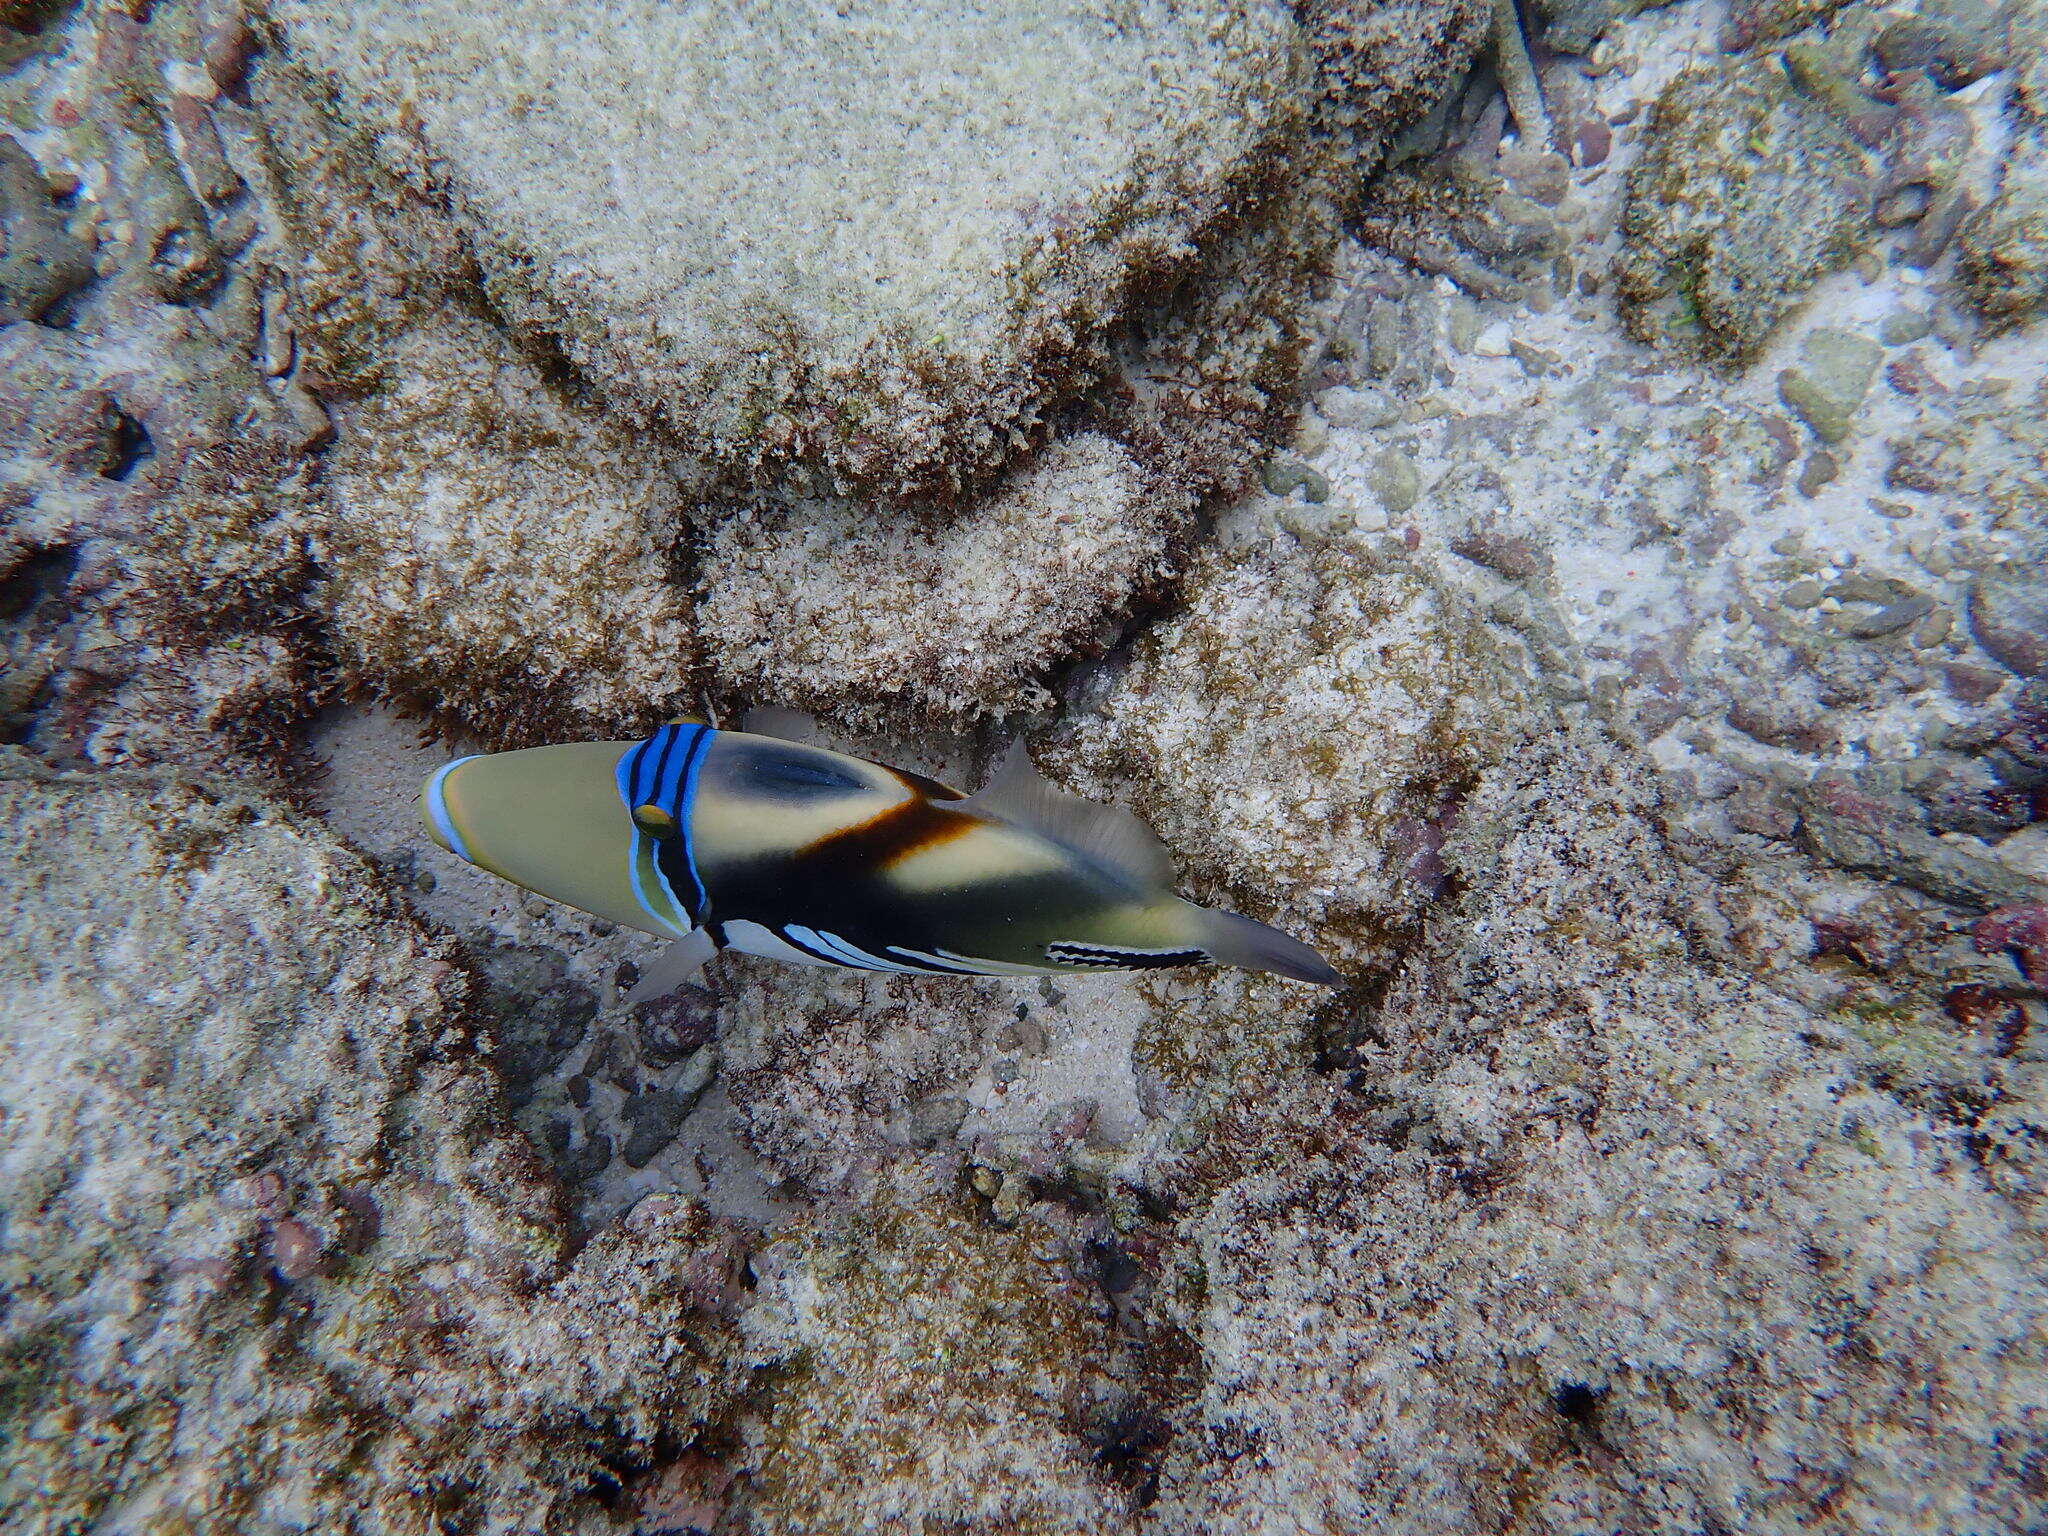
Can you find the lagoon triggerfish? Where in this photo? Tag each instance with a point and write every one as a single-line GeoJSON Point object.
{"type": "Point", "coordinates": [725, 839]}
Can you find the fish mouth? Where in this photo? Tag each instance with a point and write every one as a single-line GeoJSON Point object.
{"type": "Point", "coordinates": [550, 819]}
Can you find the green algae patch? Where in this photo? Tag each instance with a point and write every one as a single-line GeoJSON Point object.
{"type": "Point", "coordinates": [1746, 193]}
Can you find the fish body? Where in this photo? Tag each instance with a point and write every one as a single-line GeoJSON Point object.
{"type": "Point", "coordinates": [734, 839]}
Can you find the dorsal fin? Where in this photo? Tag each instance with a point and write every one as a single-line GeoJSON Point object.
{"type": "Point", "coordinates": [784, 724]}
{"type": "Point", "coordinates": [1107, 834]}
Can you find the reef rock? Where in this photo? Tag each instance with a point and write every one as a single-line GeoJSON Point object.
{"type": "Point", "coordinates": [821, 606]}
{"type": "Point", "coordinates": [966, 1412]}
{"type": "Point", "coordinates": [1380, 65]}
{"type": "Point", "coordinates": [1746, 192]}
{"type": "Point", "coordinates": [272, 1255]}
{"type": "Point", "coordinates": [497, 546]}
{"type": "Point", "coordinates": [825, 246]}
{"type": "Point", "coordinates": [2004, 258]}
{"type": "Point", "coordinates": [825, 1068]}
{"type": "Point", "coordinates": [1302, 734]}
{"type": "Point", "coordinates": [1602, 1235]}
{"type": "Point", "coordinates": [498, 549]}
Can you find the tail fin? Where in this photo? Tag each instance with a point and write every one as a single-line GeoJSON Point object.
{"type": "Point", "coordinates": [1236, 940]}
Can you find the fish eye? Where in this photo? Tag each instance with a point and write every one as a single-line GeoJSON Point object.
{"type": "Point", "coordinates": [800, 775]}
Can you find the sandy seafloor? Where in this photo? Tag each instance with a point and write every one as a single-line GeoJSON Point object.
{"type": "Point", "coordinates": [1671, 1161]}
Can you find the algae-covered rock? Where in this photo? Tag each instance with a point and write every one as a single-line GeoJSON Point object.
{"type": "Point", "coordinates": [40, 260]}
{"type": "Point", "coordinates": [498, 548]}
{"type": "Point", "coordinates": [1606, 1236]}
{"type": "Point", "coordinates": [2004, 255]}
{"type": "Point", "coordinates": [497, 545]}
{"type": "Point", "coordinates": [273, 1256]}
{"type": "Point", "coordinates": [1380, 65]}
{"type": "Point", "coordinates": [1303, 732]}
{"type": "Point", "coordinates": [820, 606]}
{"type": "Point", "coordinates": [963, 1412]}
{"type": "Point", "coordinates": [1833, 376]}
{"type": "Point", "coordinates": [824, 1067]}
{"type": "Point", "coordinates": [949, 616]}
{"type": "Point", "coordinates": [869, 245]}
{"type": "Point", "coordinates": [1746, 192]}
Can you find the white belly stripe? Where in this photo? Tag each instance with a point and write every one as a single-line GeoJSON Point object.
{"type": "Point", "coordinates": [751, 938]}
{"type": "Point", "coordinates": [849, 954]}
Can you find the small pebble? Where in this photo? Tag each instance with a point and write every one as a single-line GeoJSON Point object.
{"type": "Point", "coordinates": [1902, 327]}
{"type": "Point", "coordinates": [1463, 325]}
{"type": "Point", "coordinates": [1834, 375]}
{"type": "Point", "coordinates": [1395, 480]}
{"type": "Point", "coordinates": [1283, 476]}
{"type": "Point", "coordinates": [1788, 544]}
{"type": "Point", "coordinates": [1801, 594]}
{"type": "Point", "coordinates": [1819, 470]}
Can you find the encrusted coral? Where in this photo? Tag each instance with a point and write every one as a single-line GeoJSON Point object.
{"type": "Point", "coordinates": [498, 549]}
{"type": "Point", "coordinates": [1603, 1236]}
{"type": "Point", "coordinates": [1302, 733]}
{"type": "Point", "coordinates": [821, 606]}
{"type": "Point", "coordinates": [891, 325]}
{"type": "Point", "coordinates": [273, 1254]}
{"type": "Point", "coordinates": [497, 546]}
{"type": "Point", "coordinates": [826, 1069]}
{"type": "Point", "coordinates": [1745, 193]}
{"type": "Point", "coordinates": [964, 1412]}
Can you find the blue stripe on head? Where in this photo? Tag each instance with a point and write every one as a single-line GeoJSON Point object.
{"type": "Point", "coordinates": [662, 771]}
{"type": "Point", "coordinates": [685, 803]}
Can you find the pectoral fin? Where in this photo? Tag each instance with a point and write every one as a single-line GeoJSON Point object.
{"type": "Point", "coordinates": [1107, 834]}
{"type": "Point", "coordinates": [674, 967]}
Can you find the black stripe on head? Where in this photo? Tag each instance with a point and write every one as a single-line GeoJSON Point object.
{"type": "Point", "coordinates": [648, 786]}
{"type": "Point", "coordinates": [675, 855]}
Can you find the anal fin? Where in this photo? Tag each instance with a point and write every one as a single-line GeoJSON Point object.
{"type": "Point", "coordinates": [674, 967]}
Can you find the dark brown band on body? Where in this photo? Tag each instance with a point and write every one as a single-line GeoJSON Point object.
{"type": "Point", "coordinates": [883, 840]}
